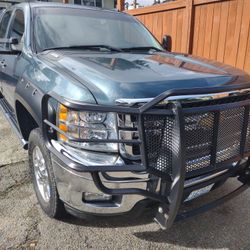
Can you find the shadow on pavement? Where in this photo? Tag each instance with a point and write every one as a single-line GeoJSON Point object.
{"type": "Point", "coordinates": [129, 220]}
{"type": "Point", "coordinates": [224, 227]}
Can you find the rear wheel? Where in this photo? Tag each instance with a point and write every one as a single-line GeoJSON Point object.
{"type": "Point", "coordinates": [43, 176]}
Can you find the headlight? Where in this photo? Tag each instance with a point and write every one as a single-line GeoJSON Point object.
{"type": "Point", "coordinates": [88, 125]}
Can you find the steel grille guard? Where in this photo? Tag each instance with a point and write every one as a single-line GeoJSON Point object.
{"type": "Point", "coordinates": [169, 200]}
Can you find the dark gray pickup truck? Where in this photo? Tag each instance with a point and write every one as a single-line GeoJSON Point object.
{"type": "Point", "coordinates": [113, 122]}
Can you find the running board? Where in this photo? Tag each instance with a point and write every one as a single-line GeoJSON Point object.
{"type": "Point", "coordinates": [10, 117]}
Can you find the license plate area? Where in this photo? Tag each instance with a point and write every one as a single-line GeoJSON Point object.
{"type": "Point", "coordinates": [199, 192]}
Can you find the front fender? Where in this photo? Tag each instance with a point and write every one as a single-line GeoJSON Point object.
{"type": "Point", "coordinates": [39, 79]}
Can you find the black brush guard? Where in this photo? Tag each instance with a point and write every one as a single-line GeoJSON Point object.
{"type": "Point", "coordinates": [170, 194]}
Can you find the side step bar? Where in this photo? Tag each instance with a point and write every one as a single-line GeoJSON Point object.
{"type": "Point", "coordinates": [10, 117]}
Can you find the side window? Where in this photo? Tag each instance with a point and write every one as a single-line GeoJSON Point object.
{"type": "Point", "coordinates": [17, 28]}
{"type": "Point", "coordinates": [4, 24]}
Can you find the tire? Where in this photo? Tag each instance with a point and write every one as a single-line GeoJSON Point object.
{"type": "Point", "coordinates": [49, 199]}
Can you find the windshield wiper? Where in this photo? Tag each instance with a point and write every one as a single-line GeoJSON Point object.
{"type": "Point", "coordinates": [145, 48]}
{"type": "Point", "coordinates": [86, 47]}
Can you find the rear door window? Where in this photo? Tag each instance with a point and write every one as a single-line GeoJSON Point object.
{"type": "Point", "coordinates": [4, 24]}
{"type": "Point", "coordinates": [17, 28]}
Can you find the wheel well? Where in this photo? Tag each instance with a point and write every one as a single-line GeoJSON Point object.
{"type": "Point", "coordinates": [26, 122]}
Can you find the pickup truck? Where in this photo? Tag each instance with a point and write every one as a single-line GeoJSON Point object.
{"type": "Point", "coordinates": [115, 123]}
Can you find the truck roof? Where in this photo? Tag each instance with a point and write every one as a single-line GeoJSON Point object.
{"type": "Point", "coordinates": [62, 5]}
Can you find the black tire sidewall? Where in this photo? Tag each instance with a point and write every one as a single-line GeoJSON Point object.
{"type": "Point", "coordinates": [52, 208]}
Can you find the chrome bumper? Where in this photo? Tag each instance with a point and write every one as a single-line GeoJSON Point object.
{"type": "Point", "coordinates": [71, 185]}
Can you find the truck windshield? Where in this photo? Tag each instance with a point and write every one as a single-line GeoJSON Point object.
{"type": "Point", "coordinates": [59, 27]}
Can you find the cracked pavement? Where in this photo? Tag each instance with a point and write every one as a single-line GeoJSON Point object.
{"type": "Point", "coordinates": [24, 226]}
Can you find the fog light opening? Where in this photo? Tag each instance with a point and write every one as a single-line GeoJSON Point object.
{"type": "Point", "coordinates": [96, 198]}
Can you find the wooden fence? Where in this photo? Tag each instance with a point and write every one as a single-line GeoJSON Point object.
{"type": "Point", "coordinates": [214, 29]}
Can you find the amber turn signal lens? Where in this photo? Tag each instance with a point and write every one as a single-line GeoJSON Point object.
{"type": "Point", "coordinates": [62, 137]}
{"type": "Point", "coordinates": [63, 112]}
{"type": "Point", "coordinates": [63, 116]}
{"type": "Point", "coordinates": [63, 127]}
{"type": "Point", "coordinates": [63, 109]}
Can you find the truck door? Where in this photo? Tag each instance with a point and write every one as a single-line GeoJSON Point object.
{"type": "Point", "coordinates": [5, 21]}
{"type": "Point", "coordinates": [9, 61]}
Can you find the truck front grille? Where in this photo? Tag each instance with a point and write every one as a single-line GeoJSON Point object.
{"type": "Point", "coordinates": [211, 139]}
{"type": "Point", "coordinates": [229, 134]}
{"type": "Point", "coordinates": [212, 136]}
{"type": "Point", "coordinates": [159, 142]}
{"type": "Point", "coordinates": [199, 136]}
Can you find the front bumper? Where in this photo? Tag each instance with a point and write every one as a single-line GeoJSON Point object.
{"type": "Point", "coordinates": [72, 185]}
{"type": "Point", "coordinates": [168, 172]}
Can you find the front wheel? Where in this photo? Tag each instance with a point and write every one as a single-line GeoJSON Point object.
{"type": "Point", "coordinates": [43, 176]}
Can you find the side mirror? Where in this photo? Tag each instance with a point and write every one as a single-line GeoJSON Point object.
{"type": "Point", "coordinates": [13, 41]}
{"type": "Point", "coordinates": [10, 45]}
{"type": "Point", "coordinates": [15, 45]}
{"type": "Point", "coordinates": [167, 42]}
{"type": "Point", "coordinates": [8, 41]}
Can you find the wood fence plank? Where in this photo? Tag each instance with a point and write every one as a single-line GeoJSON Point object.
{"type": "Point", "coordinates": [208, 30]}
{"type": "Point", "coordinates": [167, 23]}
{"type": "Point", "coordinates": [187, 29]}
{"type": "Point", "coordinates": [223, 31]}
{"type": "Point", "coordinates": [197, 14]}
{"type": "Point", "coordinates": [159, 34]}
{"type": "Point", "coordinates": [244, 33]}
{"type": "Point", "coordinates": [238, 22]}
{"type": "Point", "coordinates": [215, 31]}
{"type": "Point", "coordinates": [174, 30]}
{"type": "Point", "coordinates": [119, 5]}
{"type": "Point", "coordinates": [148, 22]}
{"type": "Point", "coordinates": [179, 30]}
{"type": "Point", "coordinates": [202, 31]}
{"type": "Point", "coordinates": [247, 55]}
{"type": "Point", "coordinates": [231, 25]}
{"type": "Point", "coordinates": [155, 17]}
{"type": "Point", "coordinates": [140, 18]}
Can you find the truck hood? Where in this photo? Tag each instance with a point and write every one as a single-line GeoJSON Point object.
{"type": "Point", "coordinates": [110, 76]}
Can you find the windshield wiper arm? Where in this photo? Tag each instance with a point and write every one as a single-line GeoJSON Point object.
{"type": "Point", "coordinates": [86, 47]}
{"type": "Point", "coordinates": [145, 48]}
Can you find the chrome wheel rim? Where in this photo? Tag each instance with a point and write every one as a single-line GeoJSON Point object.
{"type": "Point", "coordinates": [41, 174]}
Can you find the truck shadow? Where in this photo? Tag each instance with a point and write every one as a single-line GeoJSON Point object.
{"type": "Point", "coordinates": [204, 231]}
{"type": "Point", "coordinates": [112, 221]}
{"type": "Point", "coordinates": [224, 227]}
